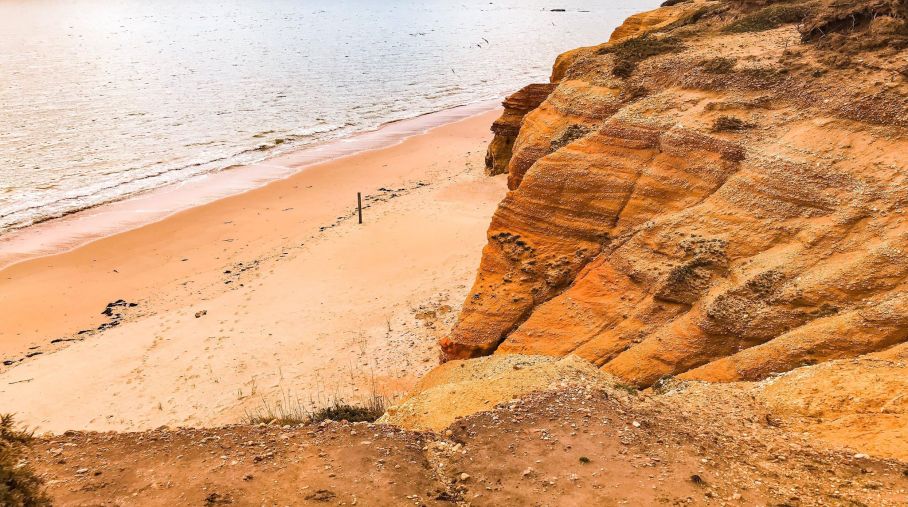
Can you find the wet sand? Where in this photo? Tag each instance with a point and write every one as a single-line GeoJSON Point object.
{"type": "Point", "coordinates": [272, 292]}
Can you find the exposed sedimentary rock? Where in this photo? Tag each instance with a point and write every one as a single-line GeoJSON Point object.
{"type": "Point", "coordinates": [644, 237]}
{"type": "Point", "coordinates": [506, 128]}
{"type": "Point", "coordinates": [518, 105]}
{"type": "Point", "coordinates": [632, 26]}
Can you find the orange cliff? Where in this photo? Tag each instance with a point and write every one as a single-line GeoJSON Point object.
{"type": "Point", "coordinates": [717, 193]}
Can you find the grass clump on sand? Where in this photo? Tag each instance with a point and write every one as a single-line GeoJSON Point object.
{"type": "Point", "coordinates": [629, 53]}
{"type": "Point", "coordinates": [369, 411]}
{"type": "Point", "coordinates": [291, 411]}
{"type": "Point", "coordinates": [19, 487]}
{"type": "Point", "coordinates": [767, 18]}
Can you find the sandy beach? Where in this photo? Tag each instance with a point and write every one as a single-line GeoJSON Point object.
{"type": "Point", "coordinates": [271, 293]}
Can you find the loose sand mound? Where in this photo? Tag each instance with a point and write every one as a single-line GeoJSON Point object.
{"type": "Point", "coordinates": [858, 402]}
{"type": "Point", "coordinates": [461, 388]}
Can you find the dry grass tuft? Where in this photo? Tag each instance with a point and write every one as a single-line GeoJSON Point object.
{"type": "Point", "coordinates": [289, 410]}
{"type": "Point", "coordinates": [369, 411]}
{"type": "Point", "coordinates": [19, 487]}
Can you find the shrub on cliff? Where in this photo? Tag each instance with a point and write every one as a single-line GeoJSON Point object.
{"type": "Point", "coordinates": [767, 18]}
{"type": "Point", "coordinates": [19, 487]}
{"type": "Point", "coordinates": [844, 16]}
{"type": "Point", "coordinates": [853, 26]}
{"type": "Point", "coordinates": [694, 17]}
{"type": "Point", "coordinates": [570, 134]}
{"type": "Point", "coordinates": [629, 53]}
{"type": "Point", "coordinates": [730, 124]}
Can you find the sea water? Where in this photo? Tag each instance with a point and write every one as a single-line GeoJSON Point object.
{"type": "Point", "coordinates": [103, 99]}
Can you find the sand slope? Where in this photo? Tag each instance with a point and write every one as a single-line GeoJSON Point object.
{"type": "Point", "coordinates": [283, 307]}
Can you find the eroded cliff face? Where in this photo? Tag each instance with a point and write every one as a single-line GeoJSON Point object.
{"type": "Point", "coordinates": [717, 193]}
{"type": "Point", "coordinates": [507, 127]}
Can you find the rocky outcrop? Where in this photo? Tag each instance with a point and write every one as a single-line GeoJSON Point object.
{"type": "Point", "coordinates": [714, 196]}
{"type": "Point", "coordinates": [518, 105]}
{"type": "Point", "coordinates": [507, 127]}
{"type": "Point", "coordinates": [633, 26]}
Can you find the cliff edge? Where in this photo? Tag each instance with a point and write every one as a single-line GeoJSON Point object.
{"type": "Point", "coordinates": [716, 193]}
{"type": "Point", "coordinates": [709, 206]}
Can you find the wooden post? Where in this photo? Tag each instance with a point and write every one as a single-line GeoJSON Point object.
{"type": "Point", "coordinates": [359, 206]}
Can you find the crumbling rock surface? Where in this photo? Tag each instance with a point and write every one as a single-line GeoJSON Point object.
{"type": "Point", "coordinates": [641, 237]}
{"type": "Point", "coordinates": [507, 127]}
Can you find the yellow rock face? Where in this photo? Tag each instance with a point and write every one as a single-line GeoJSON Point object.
{"type": "Point", "coordinates": [715, 219]}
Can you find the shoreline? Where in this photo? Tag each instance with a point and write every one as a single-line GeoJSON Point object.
{"type": "Point", "coordinates": [271, 292]}
{"type": "Point", "coordinates": [73, 230]}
